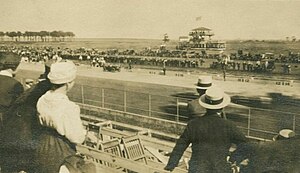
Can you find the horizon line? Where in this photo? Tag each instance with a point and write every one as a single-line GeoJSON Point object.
{"type": "Point", "coordinates": [238, 39]}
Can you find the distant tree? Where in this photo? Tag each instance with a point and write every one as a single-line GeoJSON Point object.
{"type": "Point", "coordinates": [44, 35]}
{"type": "Point", "coordinates": [19, 35]}
{"type": "Point", "coordinates": [28, 35]}
{"type": "Point", "coordinates": [37, 36]}
{"type": "Point", "coordinates": [70, 35]}
{"type": "Point", "coordinates": [61, 35]}
{"type": "Point", "coordinates": [2, 34]}
{"type": "Point", "coordinates": [8, 34]}
{"type": "Point", "coordinates": [12, 35]}
{"type": "Point", "coordinates": [54, 35]}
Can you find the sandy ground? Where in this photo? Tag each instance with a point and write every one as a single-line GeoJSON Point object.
{"type": "Point", "coordinates": [254, 88]}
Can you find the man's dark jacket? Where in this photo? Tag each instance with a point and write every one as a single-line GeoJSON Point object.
{"type": "Point", "coordinates": [10, 90]}
{"type": "Point", "coordinates": [20, 130]}
{"type": "Point", "coordinates": [281, 156]}
{"type": "Point", "coordinates": [211, 138]}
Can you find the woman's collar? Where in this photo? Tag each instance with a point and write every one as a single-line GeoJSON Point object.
{"type": "Point", "coordinates": [6, 73]}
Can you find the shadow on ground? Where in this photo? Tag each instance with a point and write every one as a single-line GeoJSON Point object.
{"type": "Point", "coordinates": [274, 101]}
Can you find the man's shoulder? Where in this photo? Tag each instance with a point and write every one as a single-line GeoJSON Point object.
{"type": "Point", "coordinates": [6, 81]}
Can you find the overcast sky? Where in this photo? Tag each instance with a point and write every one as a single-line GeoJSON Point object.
{"type": "Point", "coordinates": [229, 19]}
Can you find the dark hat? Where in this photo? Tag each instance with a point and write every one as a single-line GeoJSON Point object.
{"type": "Point", "coordinates": [9, 60]}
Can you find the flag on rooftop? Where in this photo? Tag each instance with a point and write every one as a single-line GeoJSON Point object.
{"type": "Point", "coordinates": [198, 18]}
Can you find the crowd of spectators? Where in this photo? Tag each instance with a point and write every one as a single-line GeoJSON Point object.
{"type": "Point", "coordinates": [250, 66]}
{"type": "Point", "coordinates": [291, 57]}
{"type": "Point", "coordinates": [239, 61]}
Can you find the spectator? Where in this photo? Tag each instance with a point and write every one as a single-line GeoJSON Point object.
{"type": "Point", "coordinates": [193, 107]}
{"type": "Point", "coordinates": [129, 65]}
{"type": "Point", "coordinates": [80, 58]}
{"type": "Point", "coordinates": [164, 67]}
{"type": "Point", "coordinates": [284, 134]}
{"type": "Point", "coordinates": [10, 88]}
{"type": "Point", "coordinates": [289, 69]}
{"type": "Point", "coordinates": [60, 120]}
{"type": "Point", "coordinates": [223, 65]}
{"type": "Point", "coordinates": [211, 137]}
{"type": "Point", "coordinates": [280, 155]}
{"type": "Point", "coordinates": [21, 129]}
{"type": "Point", "coordinates": [244, 65]}
{"type": "Point", "coordinates": [233, 65]}
{"type": "Point", "coordinates": [238, 66]}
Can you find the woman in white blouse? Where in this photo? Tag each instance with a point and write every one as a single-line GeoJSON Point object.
{"type": "Point", "coordinates": [61, 126]}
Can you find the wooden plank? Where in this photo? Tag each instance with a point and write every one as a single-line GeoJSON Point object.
{"type": "Point", "coordinates": [161, 166]}
{"type": "Point", "coordinates": [156, 154]}
{"type": "Point", "coordinates": [105, 169]}
{"type": "Point", "coordinates": [163, 145]}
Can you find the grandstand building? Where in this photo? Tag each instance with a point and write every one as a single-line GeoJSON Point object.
{"type": "Point", "coordinates": [199, 41]}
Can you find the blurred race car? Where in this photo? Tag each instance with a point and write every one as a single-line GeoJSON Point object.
{"type": "Point", "coordinates": [111, 68]}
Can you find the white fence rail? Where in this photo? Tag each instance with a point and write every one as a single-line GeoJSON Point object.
{"type": "Point", "coordinates": [255, 122]}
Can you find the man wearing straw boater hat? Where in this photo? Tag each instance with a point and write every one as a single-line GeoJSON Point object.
{"type": "Point", "coordinates": [210, 135]}
{"type": "Point", "coordinates": [193, 107]}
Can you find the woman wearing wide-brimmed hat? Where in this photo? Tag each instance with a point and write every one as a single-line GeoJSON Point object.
{"type": "Point", "coordinates": [210, 135]}
{"type": "Point", "coordinates": [61, 126]}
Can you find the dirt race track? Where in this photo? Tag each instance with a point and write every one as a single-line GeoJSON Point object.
{"type": "Point", "coordinates": [163, 89]}
{"type": "Point", "coordinates": [254, 88]}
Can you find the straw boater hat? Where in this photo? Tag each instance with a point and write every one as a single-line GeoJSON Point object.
{"type": "Point", "coordinates": [214, 98]}
{"type": "Point", "coordinates": [284, 134]}
{"type": "Point", "coordinates": [204, 82]}
{"type": "Point", "coordinates": [62, 72]}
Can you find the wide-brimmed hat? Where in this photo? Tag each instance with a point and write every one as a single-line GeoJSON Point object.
{"type": "Point", "coordinates": [284, 134]}
{"type": "Point", "coordinates": [287, 133]}
{"type": "Point", "coordinates": [204, 82]}
{"type": "Point", "coordinates": [214, 98]}
{"type": "Point", "coordinates": [62, 72]}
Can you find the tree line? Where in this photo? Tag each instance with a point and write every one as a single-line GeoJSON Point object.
{"type": "Point", "coordinates": [43, 36]}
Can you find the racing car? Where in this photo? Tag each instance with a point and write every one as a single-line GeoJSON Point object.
{"type": "Point", "coordinates": [111, 68]}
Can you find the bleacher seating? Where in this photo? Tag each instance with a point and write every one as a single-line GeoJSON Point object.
{"type": "Point", "coordinates": [123, 147]}
{"type": "Point", "coordinates": [134, 150]}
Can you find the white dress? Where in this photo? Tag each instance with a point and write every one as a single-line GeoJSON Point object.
{"type": "Point", "coordinates": [58, 112]}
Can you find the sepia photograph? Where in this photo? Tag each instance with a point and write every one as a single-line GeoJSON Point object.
{"type": "Point", "coordinates": [150, 86]}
